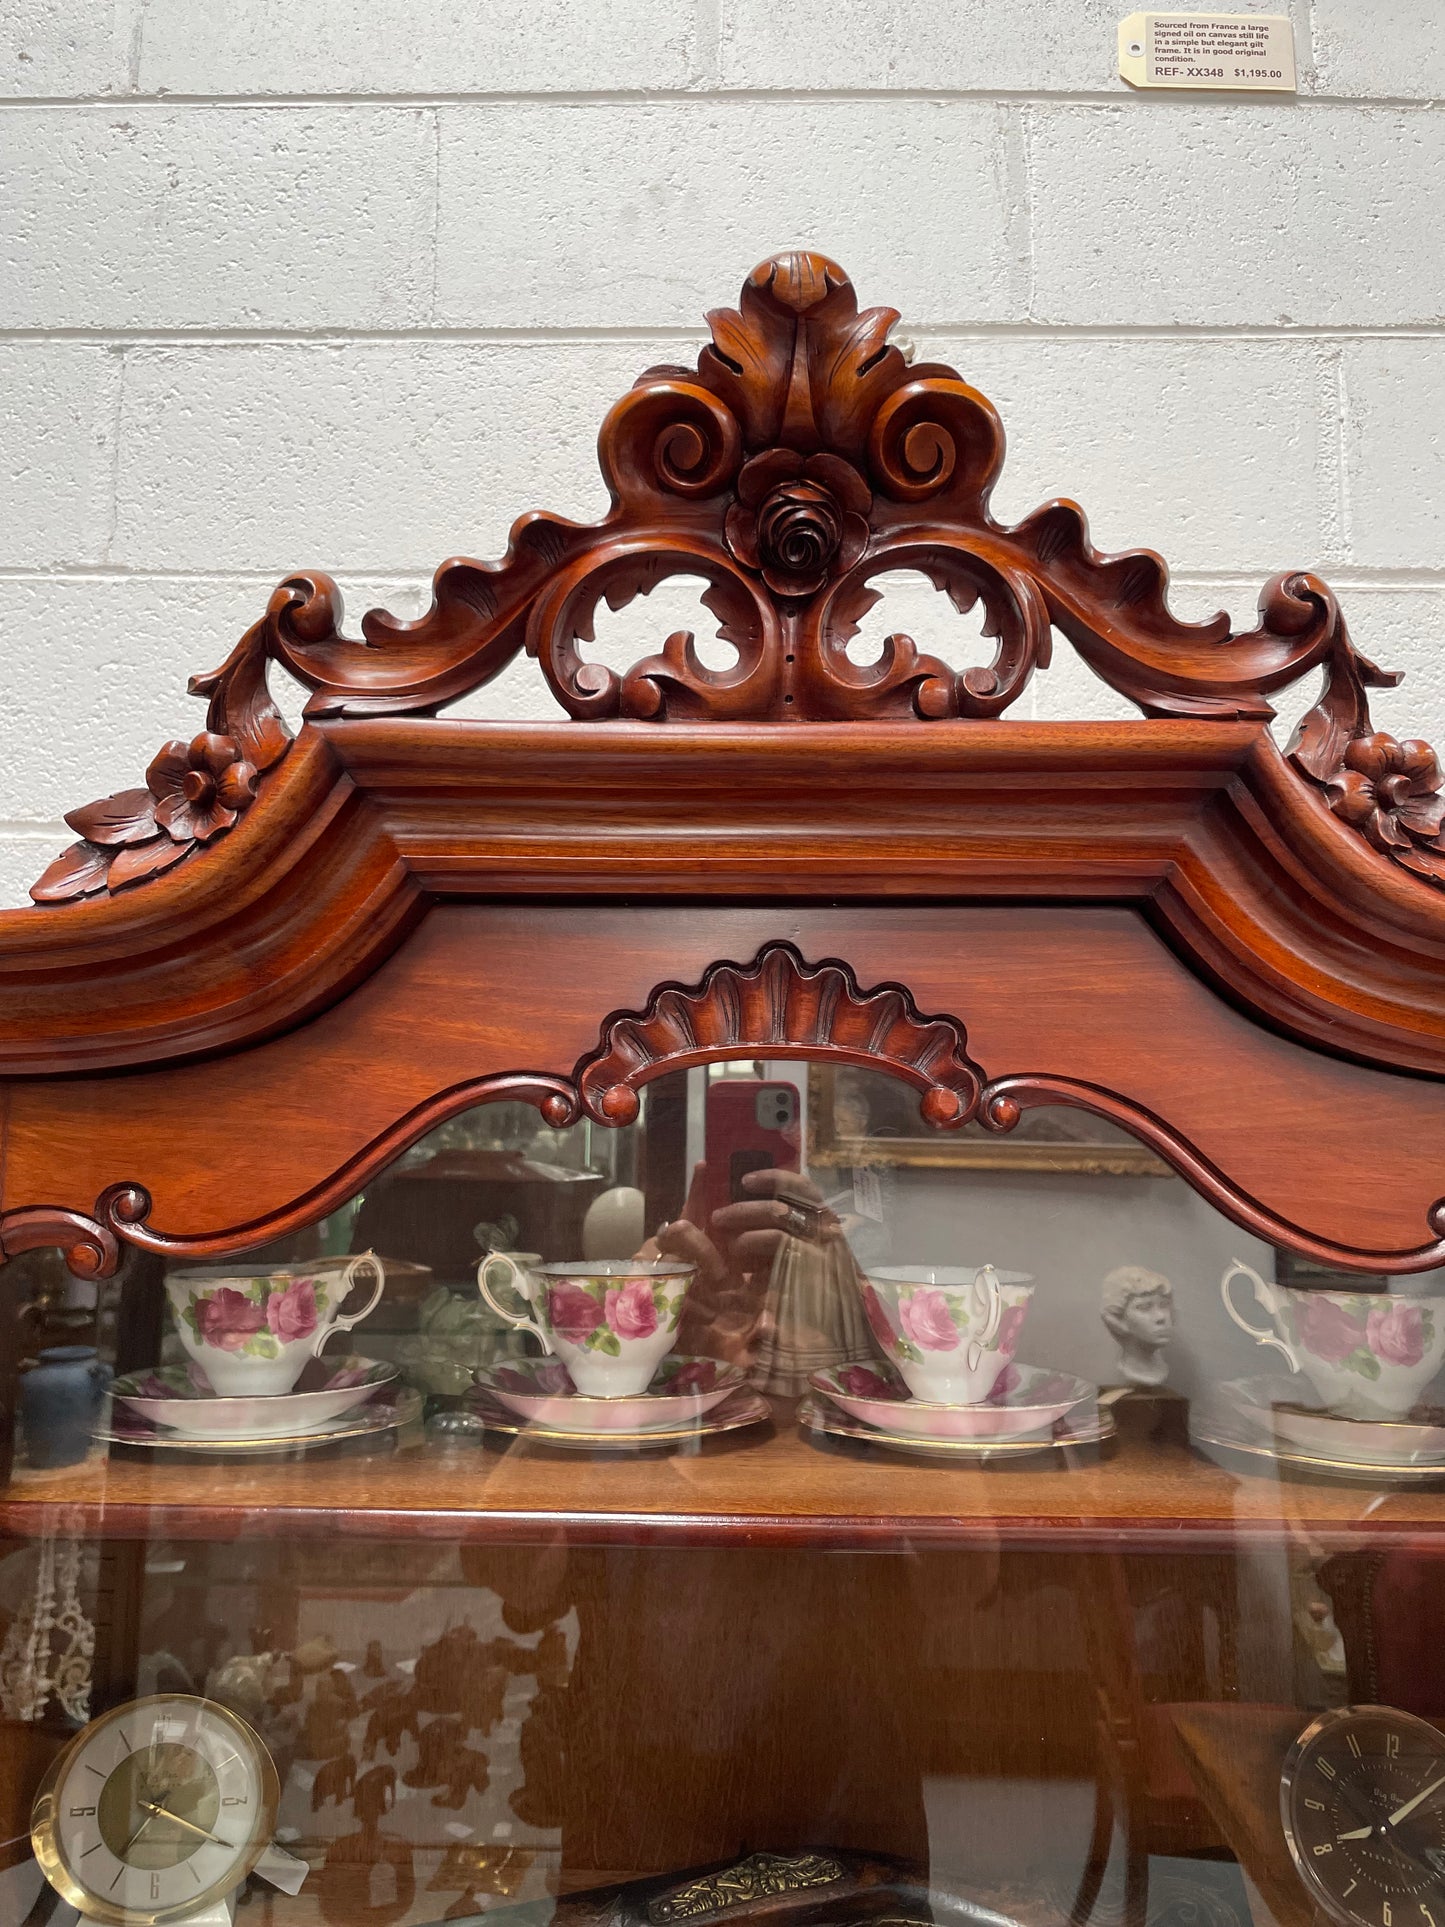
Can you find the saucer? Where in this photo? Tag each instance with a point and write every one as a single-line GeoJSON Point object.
{"type": "Point", "coordinates": [382, 1415]}
{"type": "Point", "coordinates": [170, 1396]}
{"type": "Point", "coordinates": [1286, 1410]}
{"type": "Point", "coordinates": [1034, 1401]}
{"type": "Point", "coordinates": [540, 1391]}
{"type": "Point", "coordinates": [1221, 1440]}
{"type": "Point", "coordinates": [741, 1408]}
{"type": "Point", "coordinates": [818, 1416]}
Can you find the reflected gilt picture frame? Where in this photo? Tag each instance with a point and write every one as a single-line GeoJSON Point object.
{"type": "Point", "coordinates": [857, 1120]}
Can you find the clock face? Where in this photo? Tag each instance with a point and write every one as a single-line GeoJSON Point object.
{"type": "Point", "coordinates": [155, 1810]}
{"type": "Point", "coordinates": [1363, 1805]}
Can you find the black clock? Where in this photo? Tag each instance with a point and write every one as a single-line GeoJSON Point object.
{"type": "Point", "coordinates": [1362, 1798]}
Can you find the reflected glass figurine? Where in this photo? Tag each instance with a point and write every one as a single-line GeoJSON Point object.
{"type": "Point", "coordinates": [1139, 1311]}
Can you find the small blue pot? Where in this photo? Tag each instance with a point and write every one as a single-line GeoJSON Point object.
{"type": "Point", "coordinates": [60, 1400]}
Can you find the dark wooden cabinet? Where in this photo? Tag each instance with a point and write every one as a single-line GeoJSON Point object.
{"type": "Point", "coordinates": [282, 992]}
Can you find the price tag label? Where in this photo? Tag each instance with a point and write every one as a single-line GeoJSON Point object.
{"type": "Point", "coordinates": [1253, 51]}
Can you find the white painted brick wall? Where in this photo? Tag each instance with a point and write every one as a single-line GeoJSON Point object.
{"type": "Point", "coordinates": [311, 282]}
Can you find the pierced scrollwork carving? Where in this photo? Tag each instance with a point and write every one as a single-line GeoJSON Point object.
{"type": "Point", "coordinates": [797, 463]}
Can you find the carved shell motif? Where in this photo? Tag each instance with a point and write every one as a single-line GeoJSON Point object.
{"type": "Point", "coordinates": [799, 461]}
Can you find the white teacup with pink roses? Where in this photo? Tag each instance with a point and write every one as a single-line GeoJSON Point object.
{"type": "Point", "coordinates": [1369, 1354]}
{"type": "Point", "coordinates": [251, 1333]}
{"type": "Point", "coordinates": [950, 1330]}
{"type": "Point", "coordinates": [611, 1322]}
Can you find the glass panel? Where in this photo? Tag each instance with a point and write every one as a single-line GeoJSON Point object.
{"type": "Point", "coordinates": [906, 1509]}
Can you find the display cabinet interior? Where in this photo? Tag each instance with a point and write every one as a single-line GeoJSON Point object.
{"type": "Point", "coordinates": [790, 1300]}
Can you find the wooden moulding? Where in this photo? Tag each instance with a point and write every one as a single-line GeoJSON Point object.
{"type": "Point", "coordinates": [772, 1487]}
{"type": "Point", "coordinates": [1004, 1007]}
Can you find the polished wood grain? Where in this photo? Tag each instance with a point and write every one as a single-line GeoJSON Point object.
{"type": "Point", "coordinates": [775, 1488]}
{"type": "Point", "coordinates": [365, 823]}
{"type": "Point", "coordinates": [477, 991]}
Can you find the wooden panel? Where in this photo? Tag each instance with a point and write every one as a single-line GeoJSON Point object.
{"type": "Point", "coordinates": [1344, 1152]}
{"type": "Point", "coordinates": [765, 1488]}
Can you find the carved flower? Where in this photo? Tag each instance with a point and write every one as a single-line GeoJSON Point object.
{"type": "Point", "coordinates": [798, 519]}
{"type": "Point", "coordinates": [200, 787]}
{"type": "Point", "coordinates": [1389, 791]}
{"type": "Point", "coordinates": [193, 792]}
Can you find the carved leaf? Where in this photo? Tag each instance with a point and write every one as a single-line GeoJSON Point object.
{"type": "Point", "coordinates": [79, 871]}
{"type": "Point", "coordinates": [129, 816]}
{"type": "Point", "coordinates": [146, 859]}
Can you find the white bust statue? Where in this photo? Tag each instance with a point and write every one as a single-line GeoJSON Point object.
{"type": "Point", "coordinates": [1139, 1311]}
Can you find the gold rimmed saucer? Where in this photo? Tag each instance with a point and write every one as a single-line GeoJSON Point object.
{"type": "Point", "coordinates": [740, 1409]}
{"type": "Point", "coordinates": [818, 1416]}
{"type": "Point", "coordinates": [1215, 1436]}
{"type": "Point", "coordinates": [360, 1422]}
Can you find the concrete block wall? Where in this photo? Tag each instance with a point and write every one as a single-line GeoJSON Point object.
{"type": "Point", "coordinates": [316, 283]}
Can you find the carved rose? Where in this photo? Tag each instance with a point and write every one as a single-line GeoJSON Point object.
{"type": "Point", "coordinates": [1389, 791]}
{"type": "Point", "coordinates": [200, 787]}
{"type": "Point", "coordinates": [193, 792]}
{"type": "Point", "coordinates": [1397, 1334]}
{"type": "Point", "coordinates": [799, 519]}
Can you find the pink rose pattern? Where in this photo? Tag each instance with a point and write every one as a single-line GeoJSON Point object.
{"type": "Point", "coordinates": [630, 1311]}
{"type": "Point", "coordinates": [927, 1320]}
{"type": "Point", "coordinates": [1327, 1329]}
{"type": "Point", "coordinates": [1397, 1334]}
{"type": "Point", "coordinates": [877, 1318]}
{"type": "Point", "coordinates": [574, 1313]}
{"type": "Point", "coordinates": [697, 1375]}
{"type": "Point", "coordinates": [291, 1314]}
{"type": "Point", "coordinates": [858, 1381]}
{"type": "Point", "coordinates": [1009, 1327]}
{"type": "Point", "coordinates": [228, 1318]}
{"type": "Point", "coordinates": [1007, 1381]}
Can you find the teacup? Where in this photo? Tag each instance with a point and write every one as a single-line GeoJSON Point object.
{"type": "Point", "coordinates": [949, 1329]}
{"type": "Point", "coordinates": [610, 1321]}
{"type": "Point", "coordinates": [1369, 1354]}
{"type": "Point", "coordinates": [251, 1333]}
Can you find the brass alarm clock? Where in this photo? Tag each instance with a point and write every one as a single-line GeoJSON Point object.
{"type": "Point", "coordinates": [1362, 1799]}
{"type": "Point", "coordinates": [155, 1811]}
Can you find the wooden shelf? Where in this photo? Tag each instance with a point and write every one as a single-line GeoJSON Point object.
{"type": "Point", "coordinates": [762, 1487]}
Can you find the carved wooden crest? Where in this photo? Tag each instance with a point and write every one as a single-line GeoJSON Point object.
{"type": "Point", "coordinates": [799, 461]}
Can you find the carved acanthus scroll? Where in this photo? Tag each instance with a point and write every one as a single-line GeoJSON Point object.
{"type": "Point", "coordinates": [797, 463]}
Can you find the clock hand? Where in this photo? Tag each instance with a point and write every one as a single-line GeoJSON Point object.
{"type": "Point", "coordinates": [1404, 1812]}
{"type": "Point", "coordinates": [151, 1811]}
{"type": "Point", "coordinates": [190, 1826]}
{"type": "Point", "coordinates": [1358, 1833]}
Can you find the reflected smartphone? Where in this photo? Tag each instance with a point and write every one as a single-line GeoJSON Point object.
{"type": "Point", "coordinates": [749, 1124]}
